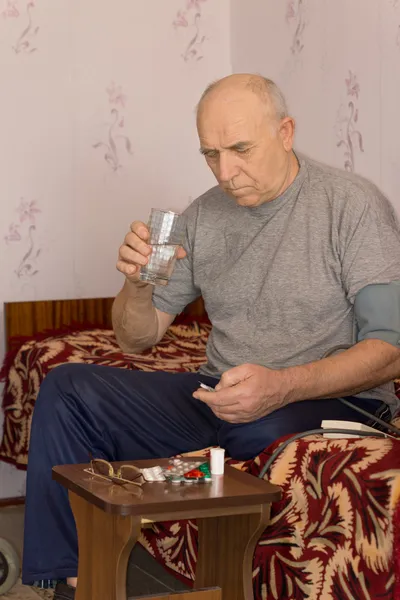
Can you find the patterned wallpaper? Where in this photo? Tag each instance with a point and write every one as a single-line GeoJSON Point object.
{"type": "Point", "coordinates": [339, 66]}
{"type": "Point", "coordinates": [98, 125]}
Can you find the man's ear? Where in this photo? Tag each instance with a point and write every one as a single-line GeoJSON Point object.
{"type": "Point", "coordinates": [287, 128]}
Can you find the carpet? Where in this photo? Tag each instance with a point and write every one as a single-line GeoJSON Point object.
{"type": "Point", "coordinates": [25, 592]}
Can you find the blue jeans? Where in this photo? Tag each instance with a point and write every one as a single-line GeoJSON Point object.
{"type": "Point", "coordinates": [119, 414]}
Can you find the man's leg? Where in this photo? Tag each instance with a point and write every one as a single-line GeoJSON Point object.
{"type": "Point", "coordinates": [247, 440]}
{"type": "Point", "coordinates": [111, 413]}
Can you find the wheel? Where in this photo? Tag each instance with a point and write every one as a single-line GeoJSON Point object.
{"type": "Point", "coordinates": [9, 566]}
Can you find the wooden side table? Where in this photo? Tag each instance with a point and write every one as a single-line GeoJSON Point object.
{"type": "Point", "coordinates": [231, 513]}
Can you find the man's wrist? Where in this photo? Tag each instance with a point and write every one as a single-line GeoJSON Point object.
{"type": "Point", "coordinates": [135, 287]}
{"type": "Point", "coordinates": [318, 379]}
{"type": "Point", "coordinates": [293, 380]}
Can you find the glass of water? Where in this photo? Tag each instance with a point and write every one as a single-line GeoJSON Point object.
{"type": "Point", "coordinates": [167, 231]}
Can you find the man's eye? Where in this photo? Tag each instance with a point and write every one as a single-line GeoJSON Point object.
{"type": "Point", "coordinates": [211, 154]}
{"type": "Point", "coordinates": [242, 150]}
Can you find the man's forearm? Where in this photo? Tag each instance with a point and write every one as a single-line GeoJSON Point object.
{"type": "Point", "coordinates": [134, 317]}
{"type": "Point", "coordinates": [366, 365]}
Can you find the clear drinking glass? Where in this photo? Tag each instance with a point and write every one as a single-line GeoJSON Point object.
{"type": "Point", "coordinates": [167, 231]}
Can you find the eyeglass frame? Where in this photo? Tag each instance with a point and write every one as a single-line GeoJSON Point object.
{"type": "Point", "coordinates": [113, 474]}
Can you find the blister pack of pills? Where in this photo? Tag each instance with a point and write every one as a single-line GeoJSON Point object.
{"type": "Point", "coordinates": [179, 471]}
{"type": "Point", "coordinates": [152, 474]}
{"type": "Point", "coordinates": [187, 471]}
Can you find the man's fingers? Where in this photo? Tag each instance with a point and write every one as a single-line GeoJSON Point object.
{"type": "Point", "coordinates": [216, 399]}
{"type": "Point", "coordinates": [126, 254]}
{"type": "Point", "coordinates": [126, 269]}
{"type": "Point", "coordinates": [232, 377]}
{"type": "Point", "coordinates": [140, 229]}
{"type": "Point", "coordinates": [227, 413]}
{"type": "Point", "coordinates": [135, 252]}
{"type": "Point", "coordinates": [232, 417]}
{"type": "Point", "coordinates": [137, 244]}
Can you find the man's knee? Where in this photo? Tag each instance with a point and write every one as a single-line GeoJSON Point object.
{"type": "Point", "coordinates": [59, 385]}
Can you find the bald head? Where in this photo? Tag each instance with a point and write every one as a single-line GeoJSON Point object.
{"type": "Point", "coordinates": [246, 137]}
{"type": "Point", "coordinates": [241, 84]}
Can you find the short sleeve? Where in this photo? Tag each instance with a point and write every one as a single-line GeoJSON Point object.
{"type": "Point", "coordinates": [181, 290]}
{"type": "Point", "coordinates": [369, 241]}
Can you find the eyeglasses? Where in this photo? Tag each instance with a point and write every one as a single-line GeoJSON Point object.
{"type": "Point", "coordinates": [125, 473]}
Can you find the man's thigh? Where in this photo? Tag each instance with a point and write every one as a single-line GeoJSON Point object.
{"type": "Point", "coordinates": [141, 414]}
{"type": "Point", "coordinates": [161, 417]}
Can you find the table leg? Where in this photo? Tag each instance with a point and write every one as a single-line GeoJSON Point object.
{"type": "Point", "coordinates": [226, 550]}
{"type": "Point", "coordinates": [105, 542]}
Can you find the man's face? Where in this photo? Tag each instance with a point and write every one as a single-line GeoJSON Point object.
{"type": "Point", "coordinates": [244, 146]}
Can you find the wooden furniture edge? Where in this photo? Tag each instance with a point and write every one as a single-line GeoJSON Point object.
{"type": "Point", "coordinates": [15, 501]}
{"type": "Point", "coordinates": [33, 317]}
{"type": "Point", "coordinates": [158, 512]}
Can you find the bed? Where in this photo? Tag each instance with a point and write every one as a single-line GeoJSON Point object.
{"type": "Point", "coordinates": [42, 335]}
{"type": "Point", "coordinates": [332, 534]}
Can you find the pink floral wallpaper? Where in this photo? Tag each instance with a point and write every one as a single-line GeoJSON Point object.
{"type": "Point", "coordinates": [22, 231]}
{"type": "Point", "coordinates": [190, 19]}
{"type": "Point", "coordinates": [116, 143]}
{"type": "Point", "coordinates": [24, 11]}
{"type": "Point", "coordinates": [296, 19]}
{"type": "Point", "coordinates": [350, 139]}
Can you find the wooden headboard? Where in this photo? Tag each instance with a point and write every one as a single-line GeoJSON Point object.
{"type": "Point", "coordinates": [29, 318]}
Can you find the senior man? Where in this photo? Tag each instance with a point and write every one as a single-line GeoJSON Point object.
{"type": "Point", "coordinates": [293, 259]}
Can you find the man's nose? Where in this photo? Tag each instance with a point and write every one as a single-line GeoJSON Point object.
{"type": "Point", "coordinates": [227, 167]}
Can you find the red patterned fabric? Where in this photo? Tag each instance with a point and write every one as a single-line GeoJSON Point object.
{"type": "Point", "coordinates": [181, 349]}
{"type": "Point", "coordinates": [331, 536]}
{"type": "Point", "coordinates": [396, 551]}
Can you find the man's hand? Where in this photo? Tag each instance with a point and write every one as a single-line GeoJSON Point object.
{"type": "Point", "coordinates": [246, 393]}
{"type": "Point", "coordinates": [249, 392]}
{"type": "Point", "coordinates": [134, 252]}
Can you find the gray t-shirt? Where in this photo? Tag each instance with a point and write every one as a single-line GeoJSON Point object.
{"type": "Point", "coordinates": [279, 280]}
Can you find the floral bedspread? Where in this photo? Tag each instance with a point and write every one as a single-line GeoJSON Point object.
{"type": "Point", "coordinates": [330, 537]}
{"type": "Point", "coordinates": [181, 349]}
